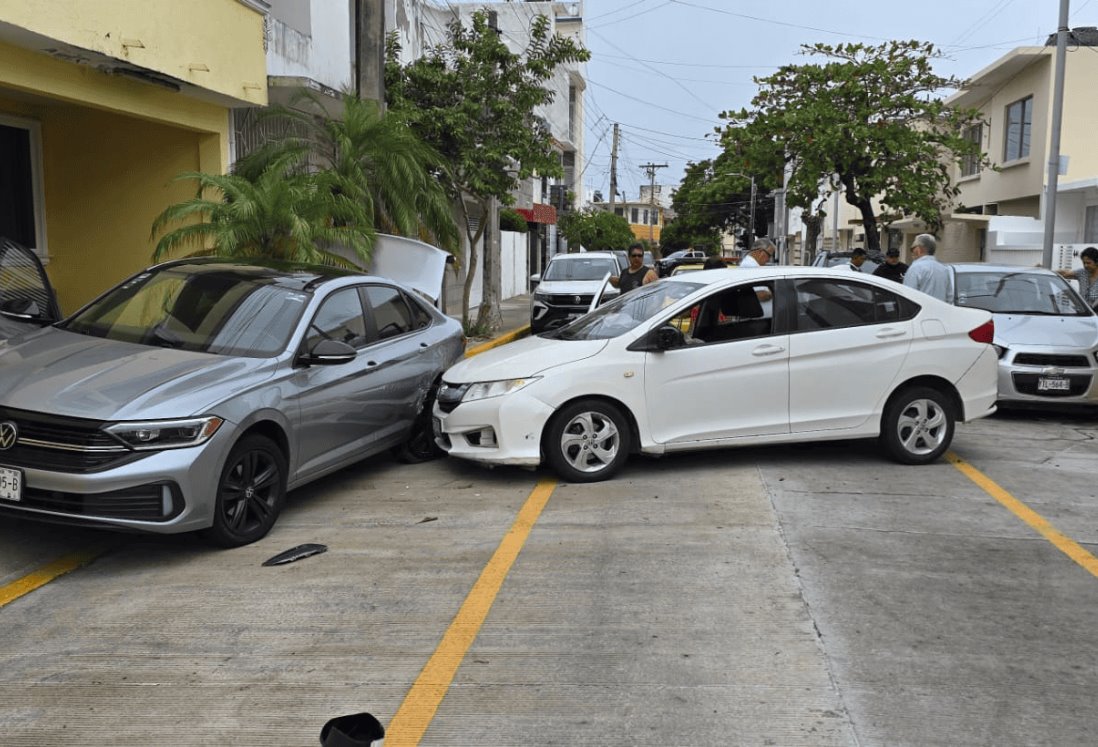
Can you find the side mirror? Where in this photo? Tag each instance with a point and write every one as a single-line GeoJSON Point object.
{"type": "Point", "coordinates": [664, 337]}
{"type": "Point", "coordinates": [329, 353]}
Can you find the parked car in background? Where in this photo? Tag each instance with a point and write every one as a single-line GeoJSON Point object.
{"type": "Point", "coordinates": [568, 286]}
{"type": "Point", "coordinates": [27, 300]}
{"type": "Point", "coordinates": [827, 258]}
{"type": "Point", "coordinates": [688, 267]}
{"type": "Point", "coordinates": [694, 362]}
{"type": "Point", "coordinates": [1045, 334]}
{"type": "Point", "coordinates": [674, 259]}
{"type": "Point", "coordinates": [195, 394]}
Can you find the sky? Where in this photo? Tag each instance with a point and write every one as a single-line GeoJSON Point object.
{"type": "Point", "coordinates": [664, 69]}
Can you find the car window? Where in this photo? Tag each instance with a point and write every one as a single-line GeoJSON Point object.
{"type": "Point", "coordinates": [580, 268]}
{"type": "Point", "coordinates": [390, 311]}
{"type": "Point", "coordinates": [826, 303]}
{"type": "Point", "coordinates": [211, 311]}
{"type": "Point", "coordinates": [625, 312]}
{"type": "Point", "coordinates": [1018, 293]}
{"type": "Point", "coordinates": [339, 318]}
{"type": "Point", "coordinates": [737, 313]}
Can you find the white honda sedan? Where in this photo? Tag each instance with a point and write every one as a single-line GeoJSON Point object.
{"type": "Point", "coordinates": [698, 361]}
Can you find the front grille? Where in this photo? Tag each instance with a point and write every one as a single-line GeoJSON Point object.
{"type": "Point", "coordinates": [565, 299]}
{"type": "Point", "coordinates": [144, 503]}
{"type": "Point", "coordinates": [1027, 384]}
{"type": "Point", "coordinates": [1061, 361]}
{"type": "Point", "coordinates": [63, 444]}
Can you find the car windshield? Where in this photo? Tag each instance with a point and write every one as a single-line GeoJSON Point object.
{"type": "Point", "coordinates": [1019, 293]}
{"type": "Point", "coordinates": [625, 312]}
{"type": "Point", "coordinates": [212, 310]}
{"type": "Point", "coordinates": [580, 268]}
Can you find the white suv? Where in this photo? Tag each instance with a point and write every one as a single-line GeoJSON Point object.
{"type": "Point", "coordinates": [565, 290]}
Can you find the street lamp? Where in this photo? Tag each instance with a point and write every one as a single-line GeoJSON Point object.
{"type": "Point", "coordinates": [751, 217]}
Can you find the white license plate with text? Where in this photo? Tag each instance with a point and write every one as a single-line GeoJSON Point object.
{"type": "Point", "coordinates": [1046, 384]}
{"type": "Point", "coordinates": [11, 484]}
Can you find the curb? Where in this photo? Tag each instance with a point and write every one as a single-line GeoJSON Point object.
{"type": "Point", "coordinates": [495, 342]}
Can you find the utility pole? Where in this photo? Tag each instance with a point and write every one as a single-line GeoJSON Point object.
{"type": "Point", "coordinates": [1053, 178]}
{"type": "Point", "coordinates": [614, 169]}
{"type": "Point", "coordinates": [650, 169]}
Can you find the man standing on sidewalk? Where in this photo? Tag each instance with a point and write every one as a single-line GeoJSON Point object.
{"type": "Point", "coordinates": [926, 272]}
{"type": "Point", "coordinates": [893, 268]}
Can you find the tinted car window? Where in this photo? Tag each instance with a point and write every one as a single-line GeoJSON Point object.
{"type": "Point", "coordinates": [212, 311]}
{"type": "Point", "coordinates": [339, 318]}
{"type": "Point", "coordinates": [733, 314]}
{"type": "Point", "coordinates": [390, 311]}
{"type": "Point", "coordinates": [828, 304]}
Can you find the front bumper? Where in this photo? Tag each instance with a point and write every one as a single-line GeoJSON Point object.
{"type": "Point", "coordinates": [545, 315]}
{"type": "Point", "coordinates": [166, 492]}
{"type": "Point", "coordinates": [497, 430]}
{"type": "Point", "coordinates": [1062, 377]}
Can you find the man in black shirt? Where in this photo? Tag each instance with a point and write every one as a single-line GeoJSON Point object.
{"type": "Point", "coordinates": [637, 274]}
{"type": "Point", "coordinates": [893, 268]}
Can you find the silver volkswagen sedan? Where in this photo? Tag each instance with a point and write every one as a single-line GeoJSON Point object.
{"type": "Point", "coordinates": [193, 395]}
{"type": "Point", "coordinates": [1045, 334]}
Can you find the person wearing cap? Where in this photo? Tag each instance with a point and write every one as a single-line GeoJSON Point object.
{"type": "Point", "coordinates": [857, 259]}
{"type": "Point", "coordinates": [893, 268]}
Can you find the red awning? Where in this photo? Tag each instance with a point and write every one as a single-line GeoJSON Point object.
{"type": "Point", "coordinates": [540, 213]}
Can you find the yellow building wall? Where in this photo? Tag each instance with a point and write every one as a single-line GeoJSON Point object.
{"type": "Point", "coordinates": [111, 150]}
{"type": "Point", "coordinates": [215, 44]}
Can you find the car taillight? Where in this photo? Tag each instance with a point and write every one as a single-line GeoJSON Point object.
{"type": "Point", "coordinates": [984, 333]}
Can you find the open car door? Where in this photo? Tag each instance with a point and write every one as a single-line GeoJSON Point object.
{"type": "Point", "coordinates": [27, 299]}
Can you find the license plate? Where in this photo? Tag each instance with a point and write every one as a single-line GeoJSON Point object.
{"type": "Point", "coordinates": [11, 484]}
{"type": "Point", "coordinates": [1047, 384]}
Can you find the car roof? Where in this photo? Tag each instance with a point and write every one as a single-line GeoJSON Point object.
{"type": "Point", "coordinates": [584, 255]}
{"type": "Point", "coordinates": [985, 267]}
{"type": "Point", "coordinates": [298, 275]}
{"type": "Point", "coordinates": [768, 272]}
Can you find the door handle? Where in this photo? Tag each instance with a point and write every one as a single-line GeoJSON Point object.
{"type": "Point", "coordinates": [767, 350]}
{"type": "Point", "coordinates": [890, 332]}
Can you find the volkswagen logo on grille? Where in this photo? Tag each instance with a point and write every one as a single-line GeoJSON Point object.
{"type": "Point", "coordinates": [9, 433]}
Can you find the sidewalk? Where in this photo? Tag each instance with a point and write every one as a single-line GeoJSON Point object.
{"type": "Point", "coordinates": [513, 323]}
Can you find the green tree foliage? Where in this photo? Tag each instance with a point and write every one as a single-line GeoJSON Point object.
{"type": "Point", "coordinates": [282, 212]}
{"type": "Point", "coordinates": [871, 116]}
{"type": "Point", "coordinates": [596, 230]}
{"type": "Point", "coordinates": [474, 101]}
{"type": "Point", "coordinates": [710, 201]}
{"type": "Point", "coordinates": [509, 220]}
{"type": "Point", "coordinates": [374, 157]}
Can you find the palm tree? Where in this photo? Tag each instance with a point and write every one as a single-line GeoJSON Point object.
{"type": "Point", "coordinates": [279, 211]}
{"type": "Point", "coordinates": [376, 158]}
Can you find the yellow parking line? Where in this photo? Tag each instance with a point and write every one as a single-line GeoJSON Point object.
{"type": "Point", "coordinates": [418, 708]}
{"type": "Point", "coordinates": [497, 341]}
{"type": "Point", "coordinates": [1062, 542]}
{"type": "Point", "coordinates": [25, 585]}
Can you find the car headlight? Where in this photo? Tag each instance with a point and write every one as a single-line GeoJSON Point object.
{"type": "Point", "coordinates": [486, 389]}
{"type": "Point", "coordinates": [539, 296]}
{"type": "Point", "coordinates": [150, 435]}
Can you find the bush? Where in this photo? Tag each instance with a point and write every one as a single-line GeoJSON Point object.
{"type": "Point", "coordinates": [509, 220]}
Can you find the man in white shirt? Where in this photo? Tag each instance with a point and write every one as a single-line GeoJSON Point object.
{"type": "Point", "coordinates": [857, 259]}
{"type": "Point", "coordinates": [926, 273]}
{"type": "Point", "coordinates": [762, 251]}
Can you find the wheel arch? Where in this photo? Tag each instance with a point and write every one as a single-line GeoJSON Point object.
{"type": "Point", "coordinates": [634, 430]}
{"type": "Point", "coordinates": [933, 382]}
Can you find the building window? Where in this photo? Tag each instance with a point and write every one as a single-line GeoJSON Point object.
{"type": "Point", "coordinates": [1019, 122]}
{"type": "Point", "coordinates": [1090, 228]}
{"type": "Point", "coordinates": [970, 165]}
{"type": "Point", "coordinates": [619, 211]}
{"type": "Point", "coordinates": [633, 215]}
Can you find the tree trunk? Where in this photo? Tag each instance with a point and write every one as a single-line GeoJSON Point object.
{"type": "Point", "coordinates": [471, 264]}
{"type": "Point", "coordinates": [813, 223]}
{"type": "Point", "coordinates": [865, 207]}
{"type": "Point", "coordinates": [488, 314]}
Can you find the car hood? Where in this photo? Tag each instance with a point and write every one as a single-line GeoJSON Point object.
{"type": "Point", "coordinates": [526, 357]}
{"type": "Point", "coordinates": [1046, 331]}
{"type": "Point", "coordinates": [573, 287]}
{"type": "Point", "coordinates": [64, 373]}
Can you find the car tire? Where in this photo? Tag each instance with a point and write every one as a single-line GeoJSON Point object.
{"type": "Point", "coordinates": [420, 445]}
{"type": "Point", "coordinates": [250, 492]}
{"type": "Point", "coordinates": [588, 441]}
{"type": "Point", "coordinates": [917, 425]}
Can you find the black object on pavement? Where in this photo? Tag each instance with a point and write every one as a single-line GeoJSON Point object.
{"type": "Point", "coordinates": [296, 553]}
{"type": "Point", "coordinates": [356, 730]}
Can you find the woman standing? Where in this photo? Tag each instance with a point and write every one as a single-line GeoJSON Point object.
{"type": "Point", "coordinates": [1087, 276]}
